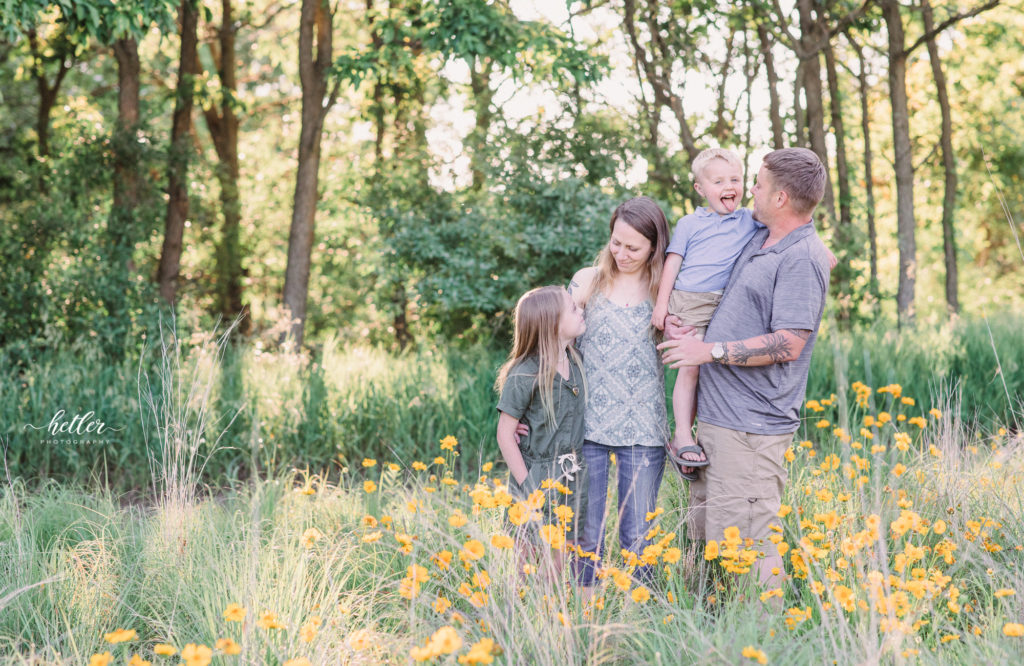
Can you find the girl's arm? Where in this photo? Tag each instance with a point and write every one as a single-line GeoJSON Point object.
{"type": "Point", "coordinates": [509, 449]}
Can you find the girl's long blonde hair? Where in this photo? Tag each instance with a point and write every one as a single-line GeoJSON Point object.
{"type": "Point", "coordinates": [536, 323]}
{"type": "Point", "coordinates": [645, 216]}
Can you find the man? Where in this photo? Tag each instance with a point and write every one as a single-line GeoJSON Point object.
{"type": "Point", "coordinates": [755, 357]}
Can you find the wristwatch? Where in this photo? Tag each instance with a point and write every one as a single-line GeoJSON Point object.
{"type": "Point", "coordinates": [717, 352]}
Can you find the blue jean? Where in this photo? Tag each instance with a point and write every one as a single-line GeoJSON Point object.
{"type": "Point", "coordinates": [639, 475]}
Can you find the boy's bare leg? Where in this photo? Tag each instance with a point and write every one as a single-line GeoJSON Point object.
{"type": "Point", "coordinates": [684, 409]}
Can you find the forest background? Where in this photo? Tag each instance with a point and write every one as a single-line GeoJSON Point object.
{"type": "Point", "coordinates": [373, 184]}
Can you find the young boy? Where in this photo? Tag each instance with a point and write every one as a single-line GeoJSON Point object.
{"type": "Point", "coordinates": [710, 239]}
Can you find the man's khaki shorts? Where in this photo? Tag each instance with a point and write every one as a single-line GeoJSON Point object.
{"type": "Point", "coordinates": [742, 485]}
{"type": "Point", "coordinates": [694, 308]}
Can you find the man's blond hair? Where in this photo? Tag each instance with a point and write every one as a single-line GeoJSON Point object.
{"type": "Point", "coordinates": [707, 156]}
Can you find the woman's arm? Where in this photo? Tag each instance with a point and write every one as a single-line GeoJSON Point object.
{"type": "Point", "coordinates": [509, 449]}
{"type": "Point", "coordinates": [581, 283]}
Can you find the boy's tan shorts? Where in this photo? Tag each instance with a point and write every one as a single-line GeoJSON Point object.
{"type": "Point", "coordinates": [742, 486]}
{"type": "Point", "coordinates": [694, 308]}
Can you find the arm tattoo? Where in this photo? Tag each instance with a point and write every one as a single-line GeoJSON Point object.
{"type": "Point", "coordinates": [801, 333]}
{"type": "Point", "coordinates": [776, 347]}
{"type": "Point", "coordinates": [573, 284]}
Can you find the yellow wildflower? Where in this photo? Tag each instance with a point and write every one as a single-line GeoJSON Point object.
{"type": "Point", "coordinates": [311, 536]}
{"type": "Point", "coordinates": [449, 443]}
{"type": "Point", "coordinates": [228, 646]}
{"type": "Point", "coordinates": [750, 652]}
{"type": "Point", "coordinates": [471, 550]}
{"type": "Point", "coordinates": [479, 653]}
{"type": "Point", "coordinates": [234, 613]}
{"type": "Point", "coordinates": [267, 621]}
{"type": "Point", "coordinates": [501, 541]}
{"type": "Point", "coordinates": [196, 655]}
{"type": "Point", "coordinates": [442, 559]}
{"type": "Point", "coordinates": [164, 649]}
{"type": "Point", "coordinates": [360, 640]}
{"type": "Point", "coordinates": [1013, 629]}
{"type": "Point", "coordinates": [136, 660]}
{"type": "Point", "coordinates": [119, 635]}
{"type": "Point", "coordinates": [101, 659]}
{"type": "Point", "coordinates": [369, 462]}
{"type": "Point", "coordinates": [369, 486]}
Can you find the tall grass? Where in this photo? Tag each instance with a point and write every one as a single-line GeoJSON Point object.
{"type": "Point", "coordinates": [269, 409]}
{"type": "Point", "coordinates": [332, 561]}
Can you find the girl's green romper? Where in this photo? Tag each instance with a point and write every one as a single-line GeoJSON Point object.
{"type": "Point", "coordinates": [550, 450]}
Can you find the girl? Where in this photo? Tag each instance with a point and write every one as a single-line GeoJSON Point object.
{"type": "Point", "coordinates": [542, 387]}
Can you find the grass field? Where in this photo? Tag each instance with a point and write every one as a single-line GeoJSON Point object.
{"type": "Point", "coordinates": [903, 543]}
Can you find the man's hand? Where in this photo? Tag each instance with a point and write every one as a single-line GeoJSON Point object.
{"type": "Point", "coordinates": [685, 350]}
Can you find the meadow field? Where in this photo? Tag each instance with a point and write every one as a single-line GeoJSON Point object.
{"type": "Point", "coordinates": [220, 538]}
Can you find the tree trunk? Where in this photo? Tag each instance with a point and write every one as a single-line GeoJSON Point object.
{"type": "Point", "coordinates": [480, 84]}
{"type": "Point", "coordinates": [315, 20]}
{"type": "Point", "coordinates": [869, 185]}
{"type": "Point", "coordinates": [123, 219]}
{"type": "Point", "coordinates": [47, 92]}
{"type": "Point", "coordinates": [903, 161]}
{"type": "Point", "coordinates": [811, 34]}
{"type": "Point", "coordinates": [798, 105]}
{"type": "Point", "coordinates": [177, 163]}
{"type": "Point", "coordinates": [223, 126]}
{"type": "Point", "coordinates": [842, 167]}
{"type": "Point", "coordinates": [750, 68]}
{"type": "Point", "coordinates": [948, 163]}
{"type": "Point", "coordinates": [127, 182]}
{"type": "Point", "coordinates": [775, 107]}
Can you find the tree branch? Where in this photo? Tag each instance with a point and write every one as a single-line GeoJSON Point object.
{"type": "Point", "coordinates": [931, 34]}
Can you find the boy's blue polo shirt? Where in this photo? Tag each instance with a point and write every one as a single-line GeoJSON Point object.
{"type": "Point", "coordinates": [709, 244]}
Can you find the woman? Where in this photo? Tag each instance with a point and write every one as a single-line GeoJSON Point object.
{"type": "Point", "coordinates": [625, 408]}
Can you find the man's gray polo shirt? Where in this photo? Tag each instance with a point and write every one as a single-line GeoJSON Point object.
{"type": "Point", "coordinates": [774, 288]}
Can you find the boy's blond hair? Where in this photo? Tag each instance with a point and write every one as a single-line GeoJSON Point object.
{"type": "Point", "coordinates": [705, 158]}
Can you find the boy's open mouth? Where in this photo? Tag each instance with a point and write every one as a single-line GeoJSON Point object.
{"type": "Point", "coordinates": [729, 202]}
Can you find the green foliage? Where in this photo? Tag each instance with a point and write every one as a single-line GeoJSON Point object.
{"type": "Point", "coordinates": [56, 247]}
{"type": "Point", "coordinates": [469, 30]}
{"type": "Point", "coordinates": [104, 20]}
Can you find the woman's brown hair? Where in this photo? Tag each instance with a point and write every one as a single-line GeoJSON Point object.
{"type": "Point", "coordinates": [645, 216]}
